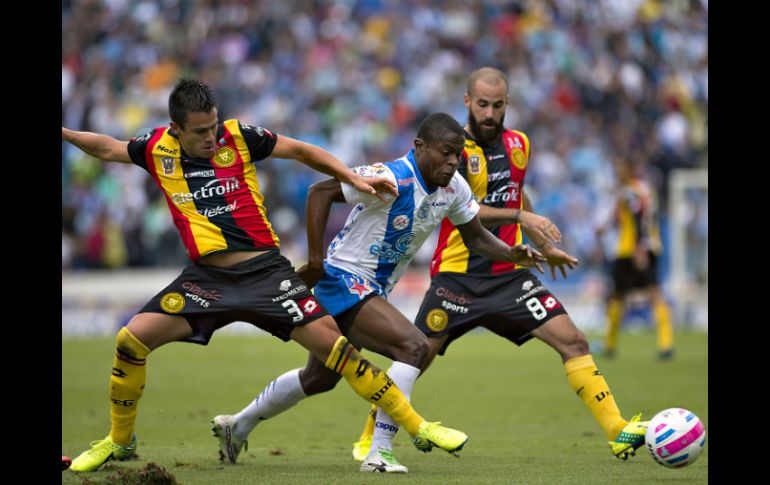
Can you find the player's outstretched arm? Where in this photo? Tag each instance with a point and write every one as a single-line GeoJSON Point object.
{"type": "Point", "coordinates": [319, 202]}
{"type": "Point", "coordinates": [97, 145]}
{"type": "Point", "coordinates": [481, 241]}
{"type": "Point", "coordinates": [539, 229]}
{"type": "Point", "coordinates": [319, 159]}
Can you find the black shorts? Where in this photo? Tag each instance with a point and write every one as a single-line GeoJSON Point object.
{"type": "Point", "coordinates": [511, 305]}
{"type": "Point", "coordinates": [264, 291]}
{"type": "Point", "coordinates": [627, 277]}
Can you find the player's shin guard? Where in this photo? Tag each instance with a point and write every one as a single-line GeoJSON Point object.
{"type": "Point", "coordinates": [614, 316]}
{"type": "Point", "coordinates": [663, 322]}
{"type": "Point", "coordinates": [589, 384]}
{"type": "Point", "coordinates": [126, 385]}
{"type": "Point", "coordinates": [373, 384]}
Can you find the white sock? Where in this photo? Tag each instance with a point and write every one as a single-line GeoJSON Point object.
{"type": "Point", "coordinates": [385, 428]}
{"type": "Point", "coordinates": [281, 394]}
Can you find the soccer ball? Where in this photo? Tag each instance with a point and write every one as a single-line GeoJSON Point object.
{"type": "Point", "coordinates": [675, 437]}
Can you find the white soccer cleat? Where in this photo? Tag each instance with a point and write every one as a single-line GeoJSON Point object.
{"type": "Point", "coordinates": [382, 460]}
{"type": "Point", "coordinates": [230, 445]}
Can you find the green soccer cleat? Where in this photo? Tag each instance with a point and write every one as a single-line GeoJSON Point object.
{"type": "Point", "coordinates": [433, 434]}
{"type": "Point", "coordinates": [230, 445]}
{"type": "Point", "coordinates": [382, 460]}
{"type": "Point", "coordinates": [630, 438]}
{"type": "Point", "coordinates": [101, 452]}
{"type": "Point", "coordinates": [361, 448]}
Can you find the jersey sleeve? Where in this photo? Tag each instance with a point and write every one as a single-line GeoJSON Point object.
{"type": "Point", "coordinates": [260, 141]}
{"type": "Point", "coordinates": [464, 207]}
{"type": "Point", "coordinates": [353, 196]}
{"type": "Point", "coordinates": [137, 148]}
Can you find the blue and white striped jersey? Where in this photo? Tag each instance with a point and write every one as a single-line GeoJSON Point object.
{"type": "Point", "coordinates": [379, 239]}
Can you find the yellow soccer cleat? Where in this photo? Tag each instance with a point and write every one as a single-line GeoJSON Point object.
{"type": "Point", "coordinates": [433, 434]}
{"type": "Point", "coordinates": [361, 448]}
{"type": "Point", "coordinates": [101, 452]}
{"type": "Point", "coordinates": [630, 438]}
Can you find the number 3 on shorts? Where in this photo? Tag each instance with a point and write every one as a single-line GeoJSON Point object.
{"type": "Point", "coordinates": [294, 311]}
{"type": "Point", "coordinates": [537, 309]}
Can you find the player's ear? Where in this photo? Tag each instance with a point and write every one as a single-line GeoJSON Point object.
{"type": "Point", "coordinates": [419, 144]}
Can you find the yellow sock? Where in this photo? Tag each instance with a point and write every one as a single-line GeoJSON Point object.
{"type": "Point", "coordinates": [614, 316]}
{"type": "Point", "coordinates": [373, 384]}
{"type": "Point", "coordinates": [368, 431]}
{"type": "Point", "coordinates": [126, 385]}
{"type": "Point", "coordinates": [663, 322]}
{"type": "Point", "coordinates": [589, 384]}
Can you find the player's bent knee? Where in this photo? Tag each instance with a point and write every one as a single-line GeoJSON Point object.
{"type": "Point", "coordinates": [413, 350]}
{"type": "Point", "coordinates": [129, 346]}
{"type": "Point", "coordinates": [317, 381]}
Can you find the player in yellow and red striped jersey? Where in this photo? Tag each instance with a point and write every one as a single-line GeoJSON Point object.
{"type": "Point", "coordinates": [206, 172]}
{"type": "Point", "coordinates": [469, 291]}
{"type": "Point", "coordinates": [635, 262]}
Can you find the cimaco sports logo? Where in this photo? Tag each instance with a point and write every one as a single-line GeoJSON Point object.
{"type": "Point", "coordinates": [212, 188]}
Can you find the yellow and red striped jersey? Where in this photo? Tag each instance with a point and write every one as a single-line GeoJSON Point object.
{"type": "Point", "coordinates": [216, 203]}
{"type": "Point", "coordinates": [496, 176]}
{"type": "Point", "coordinates": [637, 219]}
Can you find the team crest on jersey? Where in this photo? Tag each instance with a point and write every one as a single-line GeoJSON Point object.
{"type": "Point", "coordinates": [437, 319]}
{"type": "Point", "coordinates": [172, 302]}
{"type": "Point", "coordinates": [519, 159]}
{"type": "Point", "coordinates": [474, 164]}
{"type": "Point", "coordinates": [168, 165]}
{"type": "Point", "coordinates": [358, 286]}
{"type": "Point", "coordinates": [400, 222]}
{"type": "Point", "coordinates": [225, 157]}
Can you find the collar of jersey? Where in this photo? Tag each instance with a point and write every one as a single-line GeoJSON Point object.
{"type": "Point", "coordinates": [410, 158]}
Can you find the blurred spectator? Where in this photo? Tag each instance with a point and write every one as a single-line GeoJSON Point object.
{"type": "Point", "coordinates": [589, 79]}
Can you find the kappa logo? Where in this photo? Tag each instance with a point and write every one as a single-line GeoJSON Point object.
{"type": "Point", "coordinates": [285, 285]}
{"type": "Point", "coordinates": [168, 165]}
{"type": "Point", "coordinates": [527, 285]}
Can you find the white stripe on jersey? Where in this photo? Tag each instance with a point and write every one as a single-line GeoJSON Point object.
{"type": "Point", "coordinates": [379, 239]}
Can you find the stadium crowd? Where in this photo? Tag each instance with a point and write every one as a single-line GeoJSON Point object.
{"type": "Point", "coordinates": [590, 80]}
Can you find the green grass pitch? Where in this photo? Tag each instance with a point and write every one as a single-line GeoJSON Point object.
{"type": "Point", "coordinates": [526, 426]}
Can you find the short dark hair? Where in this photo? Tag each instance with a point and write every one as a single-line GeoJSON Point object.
{"type": "Point", "coordinates": [489, 75]}
{"type": "Point", "coordinates": [437, 126]}
{"type": "Point", "coordinates": [190, 95]}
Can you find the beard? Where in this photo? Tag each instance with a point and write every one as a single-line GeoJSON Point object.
{"type": "Point", "coordinates": [484, 133]}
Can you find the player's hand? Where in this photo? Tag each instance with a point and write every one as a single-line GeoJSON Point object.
{"type": "Point", "coordinates": [524, 255]}
{"type": "Point", "coordinates": [556, 258]}
{"type": "Point", "coordinates": [311, 274]}
{"type": "Point", "coordinates": [641, 258]}
{"type": "Point", "coordinates": [377, 186]}
{"type": "Point", "coordinates": [540, 227]}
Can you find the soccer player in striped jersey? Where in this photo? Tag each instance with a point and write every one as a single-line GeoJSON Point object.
{"type": "Point", "coordinates": [635, 261]}
{"type": "Point", "coordinates": [469, 290]}
{"type": "Point", "coordinates": [365, 261]}
{"type": "Point", "coordinates": [206, 171]}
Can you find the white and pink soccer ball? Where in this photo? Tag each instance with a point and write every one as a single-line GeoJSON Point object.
{"type": "Point", "coordinates": [675, 437]}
